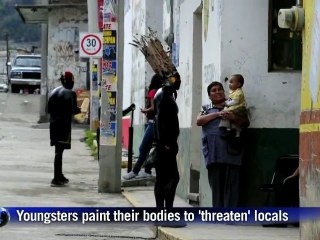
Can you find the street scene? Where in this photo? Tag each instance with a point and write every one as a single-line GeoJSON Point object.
{"type": "Point", "coordinates": [162, 104]}
{"type": "Point", "coordinates": [27, 170]}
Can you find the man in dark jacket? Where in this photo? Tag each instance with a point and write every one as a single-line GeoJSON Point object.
{"type": "Point", "coordinates": [62, 105]}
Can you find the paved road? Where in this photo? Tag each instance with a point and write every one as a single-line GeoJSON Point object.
{"type": "Point", "coordinates": [26, 162]}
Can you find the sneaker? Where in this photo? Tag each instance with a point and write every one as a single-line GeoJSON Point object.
{"type": "Point", "coordinates": [144, 175]}
{"type": "Point", "coordinates": [130, 175]}
{"type": "Point", "coordinates": [57, 183]}
{"type": "Point", "coordinates": [64, 179]}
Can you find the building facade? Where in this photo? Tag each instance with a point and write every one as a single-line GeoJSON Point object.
{"type": "Point", "coordinates": [141, 14]}
{"type": "Point", "coordinates": [64, 25]}
{"type": "Point", "coordinates": [309, 118]}
{"type": "Point", "coordinates": [212, 40]}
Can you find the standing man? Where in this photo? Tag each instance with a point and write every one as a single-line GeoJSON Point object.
{"type": "Point", "coordinates": [166, 138]}
{"type": "Point", "coordinates": [62, 105]}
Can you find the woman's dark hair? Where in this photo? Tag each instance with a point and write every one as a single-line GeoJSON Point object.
{"type": "Point", "coordinates": [156, 82]}
{"type": "Point", "coordinates": [211, 85]}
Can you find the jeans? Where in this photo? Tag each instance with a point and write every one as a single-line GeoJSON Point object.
{"type": "Point", "coordinates": [144, 149]}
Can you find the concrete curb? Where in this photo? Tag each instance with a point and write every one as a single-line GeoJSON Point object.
{"type": "Point", "coordinates": [162, 233]}
{"type": "Point", "coordinates": [165, 234]}
{"type": "Point", "coordinates": [130, 199]}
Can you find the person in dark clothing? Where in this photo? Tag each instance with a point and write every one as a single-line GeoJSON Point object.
{"type": "Point", "coordinates": [62, 105]}
{"type": "Point", "coordinates": [166, 139]}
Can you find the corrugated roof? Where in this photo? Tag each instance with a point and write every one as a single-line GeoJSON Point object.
{"type": "Point", "coordinates": [39, 13]}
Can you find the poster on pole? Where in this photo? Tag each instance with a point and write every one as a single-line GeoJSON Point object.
{"type": "Point", "coordinates": [109, 131]}
{"type": "Point", "coordinates": [109, 66]}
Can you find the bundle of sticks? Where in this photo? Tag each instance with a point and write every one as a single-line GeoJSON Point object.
{"type": "Point", "coordinates": [156, 56]}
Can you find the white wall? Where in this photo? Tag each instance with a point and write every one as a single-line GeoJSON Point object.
{"type": "Point", "coordinates": [272, 97]}
{"type": "Point", "coordinates": [146, 13]}
{"type": "Point", "coordinates": [184, 100]}
{"type": "Point", "coordinates": [138, 60]}
{"type": "Point", "coordinates": [235, 40]}
{"type": "Point", "coordinates": [211, 20]}
{"type": "Point", "coordinates": [127, 61]}
{"type": "Point", "coordinates": [64, 26]}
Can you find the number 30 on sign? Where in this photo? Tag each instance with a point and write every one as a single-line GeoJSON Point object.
{"type": "Point", "coordinates": [90, 45]}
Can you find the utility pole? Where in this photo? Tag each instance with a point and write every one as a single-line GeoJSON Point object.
{"type": "Point", "coordinates": [44, 91]}
{"type": "Point", "coordinates": [93, 63]}
{"type": "Point", "coordinates": [44, 79]}
{"type": "Point", "coordinates": [110, 153]}
{"type": "Point", "coordinates": [8, 55]}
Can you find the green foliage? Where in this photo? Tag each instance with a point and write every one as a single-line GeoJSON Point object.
{"type": "Point", "coordinates": [12, 23]}
{"type": "Point", "coordinates": [90, 138]}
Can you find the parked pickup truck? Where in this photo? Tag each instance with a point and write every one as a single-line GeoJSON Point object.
{"type": "Point", "coordinates": [25, 73]}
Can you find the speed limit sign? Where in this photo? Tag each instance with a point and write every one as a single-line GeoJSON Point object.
{"type": "Point", "coordinates": [91, 45]}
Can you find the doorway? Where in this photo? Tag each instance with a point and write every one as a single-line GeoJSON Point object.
{"type": "Point", "coordinates": [195, 150]}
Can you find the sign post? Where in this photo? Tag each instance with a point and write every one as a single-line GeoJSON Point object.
{"type": "Point", "coordinates": [91, 47]}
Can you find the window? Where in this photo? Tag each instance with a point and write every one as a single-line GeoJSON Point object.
{"type": "Point", "coordinates": [28, 61]}
{"type": "Point", "coordinates": [285, 46]}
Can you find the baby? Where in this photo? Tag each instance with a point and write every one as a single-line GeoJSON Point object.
{"type": "Point", "coordinates": [235, 103]}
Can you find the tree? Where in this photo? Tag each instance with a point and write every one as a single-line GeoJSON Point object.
{"type": "Point", "coordinates": [13, 24]}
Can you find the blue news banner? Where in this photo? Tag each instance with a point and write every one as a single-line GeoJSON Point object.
{"type": "Point", "coordinates": [81, 215]}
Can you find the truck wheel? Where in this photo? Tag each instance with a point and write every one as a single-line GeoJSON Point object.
{"type": "Point", "coordinates": [13, 88]}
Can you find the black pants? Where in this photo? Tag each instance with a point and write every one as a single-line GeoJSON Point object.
{"type": "Point", "coordinates": [167, 178]}
{"type": "Point", "coordinates": [58, 162]}
{"type": "Point", "coordinates": [224, 183]}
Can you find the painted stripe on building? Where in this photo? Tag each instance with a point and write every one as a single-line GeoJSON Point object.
{"type": "Point", "coordinates": [310, 121]}
{"type": "Point", "coordinates": [312, 127]}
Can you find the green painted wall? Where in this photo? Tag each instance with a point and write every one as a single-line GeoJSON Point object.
{"type": "Point", "coordinates": [263, 147]}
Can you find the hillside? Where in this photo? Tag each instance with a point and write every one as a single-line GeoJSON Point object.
{"type": "Point", "coordinates": [12, 24]}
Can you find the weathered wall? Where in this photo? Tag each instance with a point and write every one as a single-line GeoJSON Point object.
{"type": "Point", "coordinates": [146, 13]}
{"type": "Point", "coordinates": [188, 44]}
{"type": "Point", "coordinates": [272, 97]}
{"type": "Point", "coordinates": [229, 46]}
{"type": "Point", "coordinates": [310, 119]}
{"type": "Point", "coordinates": [211, 42]}
{"type": "Point", "coordinates": [211, 71]}
{"type": "Point", "coordinates": [127, 61]}
{"type": "Point", "coordinates": [63, 34]}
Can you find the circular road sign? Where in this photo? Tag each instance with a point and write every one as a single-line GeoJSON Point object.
{"type": "Point", "coordinates": [91, 44]}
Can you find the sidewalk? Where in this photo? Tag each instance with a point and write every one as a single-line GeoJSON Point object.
{"type": "Point", "coordinates": [26, 162]}
{"type": "Point", "coordinates": [27, 169]}
{"type": "Point", "coordinates": [143, 197]}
